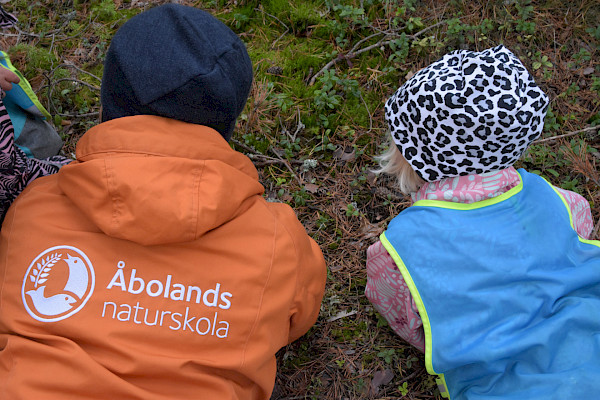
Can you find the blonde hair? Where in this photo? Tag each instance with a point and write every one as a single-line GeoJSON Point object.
{"type": "Point", "coordinates": [393, 163]}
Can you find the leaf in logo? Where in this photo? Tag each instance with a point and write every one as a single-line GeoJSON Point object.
{"type": "Point", "coordinates": [41, 272]}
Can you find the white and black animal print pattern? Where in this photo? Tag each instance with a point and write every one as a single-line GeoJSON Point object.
{"type": "Point", "coordinates": [469, 112]}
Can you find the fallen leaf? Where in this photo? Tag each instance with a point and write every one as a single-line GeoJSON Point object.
{"type": "Point", "coordinates": [589, 71]}
{"type": "Point", "coordinates": [370, 230]}
{"type": "Point", "coordinates": [342, 314]}
{"type": "Point", "coordinates": [371, 177]}
{"type": "Point", "coordinates": [344, 153]}
{"type": "Point", "coordinates": [335, 268]}
{"type": "Point", "coordinates": [311, 188]}
{"type": "Point", "coordinates": [381, 378]}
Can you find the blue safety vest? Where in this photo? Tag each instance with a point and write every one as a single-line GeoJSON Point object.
{"type": "Point", "coordinates": [509, 294]}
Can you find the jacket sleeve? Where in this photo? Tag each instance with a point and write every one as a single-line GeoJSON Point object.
{"type": "Point", "coordinates": [581, 214]}
{"type": "Point", "coordinates": [311, 275]}
{"type": "Point", "coordinates": [389, 294]}
{"type": "Point", "coordinates": [16, 169]}
{"type": "Point", "coordinates": [13, 163]}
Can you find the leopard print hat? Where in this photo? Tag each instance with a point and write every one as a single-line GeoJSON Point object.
{"type": "Point", "coordinates": [469, 112]}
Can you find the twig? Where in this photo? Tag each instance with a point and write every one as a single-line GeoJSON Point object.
{"type": "Point", "coordinates": [77, 81]}
{"type": "Point", "coordinates": [361, 41]}
{"type": "Point", "coordinates": [274, 160]}
{"type": "Point", "coordinates": [380, 43]}
{"type": "Point", "coordinates": [23, 33]}
{"type": "Point", "coordinates": [244, 146]}
{"type": "Point", "coordinates": [287, 29]}
{"type": "Point", "coordinates": [341, 315]}
{"type": "Point", "coordinates": [588, 129]}
{"type": "Point", "coordinates": [267, 159]}
{"type": "Point", "coordinates": [91, 114]}
{"type": "Point", "coordinates": [289, 167]}
{"type": "Point", "coordinates": [409, 377]}
{"type": "Point", "coordinates": [77, 68]}
{"type": "Point", "coordinates": [368, 112]}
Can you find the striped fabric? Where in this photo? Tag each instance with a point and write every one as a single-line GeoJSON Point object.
{"type": "Point", "coordinates": [16, 169]}
{"type": "Point", "coordinates": [7, 20]}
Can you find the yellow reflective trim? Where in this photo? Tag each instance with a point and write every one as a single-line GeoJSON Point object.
{"type": "Point", "coordinates": [442, 387]}
{"type": "Point", "coordinates": [472, 206]}
{"type": "Point", "coordinates": [422, 311]}
{"type": "Point", "coordinates": [25, 85]}
{"type": "Point", "coordinates": [417, 298]}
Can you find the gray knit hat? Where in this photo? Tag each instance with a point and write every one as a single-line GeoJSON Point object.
{"type": "Point", "coordinates": [469, 112]}
{"type": "Point", "coordinates": [177, 62]}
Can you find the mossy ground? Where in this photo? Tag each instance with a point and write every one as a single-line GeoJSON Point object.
{"type": "Point", "coordinates": [313, 132]}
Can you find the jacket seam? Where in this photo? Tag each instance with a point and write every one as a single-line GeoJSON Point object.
{"type": "Point", "coordinates": [114, 198]}
{"type": "Point", "coordinates": [296, 270]}
{"type": "Point", "coordinates": [198, 173]}
{"type": "Point", "coordinates": [296, 276]}
{"type": "Point", "coordinates": [262, 296]}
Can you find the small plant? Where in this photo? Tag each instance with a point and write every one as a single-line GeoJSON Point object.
{"type": "Point", "coordinates": [300, 197]}
{"type": "Point", "coordinates": [327, 97]}
{"type": "Point", "coordinates": [403, 389]}
{"type": "Point", "coordinates": [551, 123]}
{"type": "Point", "coordinates": [410, 360]}
{"type": "Point", "coordinates": [595, 84]}
{"type": "Point", "coordinates": [325, 142]}
{"type": "Point", "coordinates": [387, 355]}
{"type": "Point", "coordinates": [594, 32]}
{"type": "Point", "coordinates": [542, 61]}
{"type": "Point", "coordinates": [352, 210]}
{"type": "Point", "coordinates": [400, 48]}
{"type": "Point", "coordinates": [414, 24]}
{"type": "Point", "coordinates": [240, 20]}
{"type": "Point", "coordinates": [583, 56]}
{"type": "Point", "coordinates": [410, 5]}
{"type": "Point", "coordinates": [323, 221]}
{"type": "Point", "coordinates": [525, 10]}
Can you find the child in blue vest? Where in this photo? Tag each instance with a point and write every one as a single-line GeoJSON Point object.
{"type": "Point", "coordinates": [491, 271]}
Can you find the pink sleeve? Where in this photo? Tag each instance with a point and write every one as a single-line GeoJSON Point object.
{"type": "Point", "coordinates": [580, 211]}
{"type": "Point", "coordinates": [390, 296]}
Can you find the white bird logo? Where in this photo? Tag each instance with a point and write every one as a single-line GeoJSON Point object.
{"type": "Point", "coordinates": [78, 276]}
{"type": "Point", "coordinates": [53, 305]}
{"type": "Point", "coordinates": [78, 289]}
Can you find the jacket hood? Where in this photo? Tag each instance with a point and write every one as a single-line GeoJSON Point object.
{"type": "Point", "coordinates": [154, 180]}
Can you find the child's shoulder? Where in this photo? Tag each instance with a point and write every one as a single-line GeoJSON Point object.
{"type": "Point", "coordinates": [470, 188]}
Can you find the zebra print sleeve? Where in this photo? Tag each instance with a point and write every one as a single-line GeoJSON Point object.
{"type": "Point", "coordinates": [16, 169]}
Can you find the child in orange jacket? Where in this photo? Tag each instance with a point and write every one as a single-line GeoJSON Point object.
{"type": "Point", "coordinates": [152, 267]}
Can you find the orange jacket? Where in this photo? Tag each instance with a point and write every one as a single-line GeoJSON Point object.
{"type": "Point", "coordinates": [151, 268]}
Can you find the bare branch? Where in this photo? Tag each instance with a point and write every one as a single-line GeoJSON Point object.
{"type": "Point", "coordinates": [588, 129]}
{"type": "Point", "coordinates": [390, 36]}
